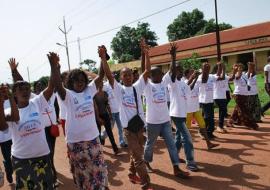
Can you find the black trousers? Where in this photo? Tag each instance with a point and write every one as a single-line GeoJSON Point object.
{"type": "Point", "coordinates": [6, 152]}
{"type": "Point", "coordinates": [51, 143]}
{"type": "Point", "coordinates": [107, 124]}
{"type": "Point", "coordinates": [222, 106]}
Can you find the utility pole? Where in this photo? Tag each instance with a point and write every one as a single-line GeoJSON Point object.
{"type": "Point", "coordinates": [28, 75]}
{"type": "Point", "coordinates": [65, 32]}
{"type": "Point", "coordinates": [79, 47]}
{"type": "Point", "coordinates": [217, 34]}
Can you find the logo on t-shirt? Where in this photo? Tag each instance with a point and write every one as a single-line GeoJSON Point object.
{"type": "Point", "coordinates": [84, 110]}
{"type": "Point", "coordinates": [33, 114]}
{"type": "Point", "coordinates": [29, 127]}
{"type": "Point", "coordinates": [159, 96]}
{"type": "Point", "coordinates": [75, 100]}
{"type": "Point", "coordinates": [129, 101]}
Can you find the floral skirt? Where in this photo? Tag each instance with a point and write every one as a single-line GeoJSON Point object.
{"type": "Point", "coordinates": [87, 165]}
{"type": "Point", "coordinates": [33, 173]}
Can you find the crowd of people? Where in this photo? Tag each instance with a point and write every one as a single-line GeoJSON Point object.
{"type": "Point", "coordinates": [82, 102]}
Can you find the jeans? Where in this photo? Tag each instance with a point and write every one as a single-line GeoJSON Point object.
{"type": "Point", "coordinates": [116, 119]}
{"type": "Point", "coordinates": [153, 131]}
{"type": "Point", "coordinates": [222, 106]}
{"type": "Point", "coordinates": [6, 152]}
{"type": "Point", "coordinates": [107, 124]}
{"type": "Point", "coordinates": [208, 110]}
{"type": "Point", "coordinates": [183, 136]}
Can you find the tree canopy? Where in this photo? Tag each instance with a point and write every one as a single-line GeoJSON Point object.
{"type": "Point", "coordinates": [126, 43]}
{"type": "Point", "coordinates": [189, 24]}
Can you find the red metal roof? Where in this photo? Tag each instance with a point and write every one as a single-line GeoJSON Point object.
{"type": "Point", "coordinates": [231, 35]}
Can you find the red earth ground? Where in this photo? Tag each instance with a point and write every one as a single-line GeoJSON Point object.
{"type": "Point", "coordinates": [241, 162]}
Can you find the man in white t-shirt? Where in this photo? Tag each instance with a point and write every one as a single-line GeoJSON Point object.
{"type": "Point", "coordinates": [266, 84]}
{"type": "Point", "coordinates": [158, 120]}
{"type": "Point", "coordinates": [129, 97]}
{"type": "Point", "coordinates": [206, 87]}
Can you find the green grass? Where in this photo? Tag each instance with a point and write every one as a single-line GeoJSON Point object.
{"type": "Point", "coordinates": [263, 96]}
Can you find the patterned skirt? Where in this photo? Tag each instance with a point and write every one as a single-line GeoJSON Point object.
{"type": "Point", "coordinates": [33, 173]}
{"type": "Point", "coordinates": [87, 165]}
{"type": "Point", "coordinates": [254, 106]}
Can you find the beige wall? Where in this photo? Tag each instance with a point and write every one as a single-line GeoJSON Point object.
{"type": "Point", "coordinates": [261, 58]}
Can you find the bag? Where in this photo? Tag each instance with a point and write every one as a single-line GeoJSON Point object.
{"type": "Point", "coordinates": [54, 130]}
{"type": "Point", "coordinates": [136, 123]}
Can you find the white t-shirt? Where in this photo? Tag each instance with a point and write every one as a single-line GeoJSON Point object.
{"type": "Point", "coordinates": [193, 104]}
{"type": "Point", "coordinates": [114, 105]}
{"type": "Point", "coordinates": [179, 92]}
{"type": "Point", "coordinates": [240, 85]}
{"type": "Point", "coordinates": [252, 82]}
{"type": "Point", "coordinates": [206, 90]}
{"type": "Point", "coordinates": [156, 103]}
{"type": "Point", "coordinates": [267, 68]}
{"type": "Point", "coordinates": [80, 115]}
{"type": "Point", "coordinates": [28, 134]}
{"type": "Point", "coordinates": [220, 88]}
{"type": "Point", "coordinates": [6, 134]}
{"type": "Point", "coordinates": [51, 111]}
{"type": "Point", "coordinates": [126, 98]}
{"type": "Point", "coordinates": [62, 108]}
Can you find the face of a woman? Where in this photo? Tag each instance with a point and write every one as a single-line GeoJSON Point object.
{"type": "Point", "coordinates": [23, 93]}
{"type": "Point", "coordinates": [79, 83]}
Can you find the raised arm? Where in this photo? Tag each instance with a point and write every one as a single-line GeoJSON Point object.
{"type": "Point", "coordinates": [55, 74]}
{"type": "Point", "coordinates": [146, 73]}
{"type": "Point", "coordinates": [251, 70]}
{"type": "Point", "coordinates": [14, 71]}
{"type": "Point", "coordinates": [142, 43]}
{"type": "Point", "coordinates": [99, 79]}
{"type": "Point", "coordinates": [173, 63]}
{"type": "Point", "coordinates": [14, 114]}
{"type": "Point", "coordinates": [221, 71]}
{"type": "Point", "coordinates": [102, 51]}
{"type": "Point", "coordinates": [194, 78]}
{"type": "Point", "coordinates": [235, 69]}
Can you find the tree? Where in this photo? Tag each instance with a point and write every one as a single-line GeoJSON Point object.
{"type": "Point", "coordinates": [210, 26]}
{"type": "Point", "coordinates": [125, 44]}
{"type": "Point", "coordinates": [186, 25]}
{"type": "Point", "coordinates": [90, 65]}
{"type": "Point", "coordinates": [191, 63]}
{"type": "Point", "coordinates": [189, 24]}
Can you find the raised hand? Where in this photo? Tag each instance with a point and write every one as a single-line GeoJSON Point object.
{"type": "Point", "coordinates": [53, 59]}
{"type": "Point", "coordinates": [173, 49]}
{"type": "Point", "coordinates": [142, 44]}
{"type": "Point", "coordinates": [102, 52]}
{"type": "Point", "coordinates": [12, 63]}
{"type": "Point", "coordinates": [4, 92]}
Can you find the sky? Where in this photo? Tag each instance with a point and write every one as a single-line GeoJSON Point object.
{"type": "Point", "coordinates": [29, 28]}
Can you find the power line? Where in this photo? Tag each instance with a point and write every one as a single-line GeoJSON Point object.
{"type": "Point", "coordinates": [134, 21]}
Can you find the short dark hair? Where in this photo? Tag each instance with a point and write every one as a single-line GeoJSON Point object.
{"type": "Point", "coordinates": [73, 75]}
{"type": "Point", "coordinates": [19, 84]}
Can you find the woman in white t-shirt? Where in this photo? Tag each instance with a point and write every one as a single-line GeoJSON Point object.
{"type": "Point", "coordinates": [193, 106]}
{"type": "Point", "coordinates": [254, 103]}
{"type": "Point", "coordinates": [30, 151]}
{"type": "Point", "coordinates": [85, 153]}
{"type": "Point", "coordinates": [241, 113]}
